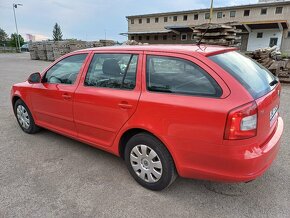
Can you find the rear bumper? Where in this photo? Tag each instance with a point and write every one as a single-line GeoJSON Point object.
{"type": "Point", "coordinates": [234, 164]}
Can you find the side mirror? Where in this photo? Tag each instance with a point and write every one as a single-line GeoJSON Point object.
{"type": "Point", "coordinates": [34, 78]}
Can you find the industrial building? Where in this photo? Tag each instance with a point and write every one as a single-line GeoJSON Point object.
{"type": "Point", "coordinates": [263, 24]}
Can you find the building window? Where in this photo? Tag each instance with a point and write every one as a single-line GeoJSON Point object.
{"type": "Point", "coordinates": [155, 37]}
{"type": "Point", "coordinates": [196, 17]}
{"type": "Point", "coordinates": [174, 18]}
{"type": "Point", "coordinates": [185, 17]}
{"type": "Point", "coordinates": [207, 16]}
{"type": "Point", "coordinates": [246, 13]}
{"type": "Point", "coordinates": [174, 37]}
{"type": "Point", "coordinates": [279, 10]}
{"type": "Point", "coordinates": [263, 11]}
{"type": "Point", "coordinates": [192, 36]}
{"type": "Point", "coordinates": [288, 34]}
{"type": "Point", "coordinates": [183, 36]}
{"type": "Point", "coordinates": [132, 37]}
{"type": "Point", "coordinates": [156, 19]}
{"type": "Point", "coordinates": [232, 13]}
{"type": "Point", "coordinates": [140, 21]}
{"type": "Point", "coordinates": [140, 38]}
{"type": "Point", "coordinates": [219, 14]}
{"type": "Point", "coordinates": [259, 35]}
{"type": "Point", "coordinates": [164, 37]}
{"type": "Point", "coordinates": [132, 21]}
{"type": "Point", "coordinates": [148, 20]}
{"type": "Point", "coordinates": [147, 38]}
{"type": "Point", "coordinates": [165, 19]}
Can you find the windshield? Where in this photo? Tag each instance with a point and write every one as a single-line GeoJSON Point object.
{"type": "Point", "coordinates": [254, 77]}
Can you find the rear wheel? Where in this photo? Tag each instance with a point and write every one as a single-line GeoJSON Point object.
{"type": "Point", "coordinates": [24, 117]}
{"type": "Point", "coordinates": [149, 162]}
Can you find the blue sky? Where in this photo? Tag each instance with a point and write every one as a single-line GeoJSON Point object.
{"type": "Point", "coordinates": [89, 19]}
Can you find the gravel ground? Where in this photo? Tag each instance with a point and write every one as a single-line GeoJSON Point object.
{"type": "Point", "coordinates": [48, 175]}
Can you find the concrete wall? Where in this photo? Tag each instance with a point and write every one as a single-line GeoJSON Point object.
{"type": "Point", "coordinates": [285, 43]}
{"type": "Point", "coordinates": [256, 43]}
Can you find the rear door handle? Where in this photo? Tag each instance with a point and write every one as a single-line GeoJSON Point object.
{"type": "Point", "coordinates": [125, 105]}
{"type": "Point", "coordinates": [66, 96]}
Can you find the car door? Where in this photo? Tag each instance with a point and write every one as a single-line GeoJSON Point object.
{"type": "Point", "coordinates": [52, 99]}
{"type": "Point", "coordinates": [107, 96]}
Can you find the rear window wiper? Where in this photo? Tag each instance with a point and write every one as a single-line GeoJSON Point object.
{"type": "Point", "coordinates": [275, 81]}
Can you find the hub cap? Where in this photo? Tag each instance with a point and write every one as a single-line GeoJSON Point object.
{"type": "Point", "coordinates": [146, 163]}
{"type": "Point", "coordinates": [23, 117]}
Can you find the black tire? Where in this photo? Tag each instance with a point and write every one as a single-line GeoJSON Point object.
{"type": "Point", "coordinates": [32, 128]}
{"type": "Point", "coordinates": [168, 174]}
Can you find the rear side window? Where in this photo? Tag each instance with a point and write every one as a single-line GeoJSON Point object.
{"type": "Point", "coordinates": [254, 77]}
{"type": "Point", "coordinates": [175, 75]}
{"type": "Point", "coordinates": [112, 71]}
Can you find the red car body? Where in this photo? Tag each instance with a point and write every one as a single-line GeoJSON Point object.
{"type": "Point", "coordinates": [191, 127]}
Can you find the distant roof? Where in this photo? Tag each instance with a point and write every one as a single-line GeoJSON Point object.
{"type": "Point", "coordinates": [276, 3]}
{"type": "Point", "coordinates": [206, 50]}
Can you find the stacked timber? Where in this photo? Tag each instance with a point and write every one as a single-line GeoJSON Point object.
{"type": "Point", "coordinates": [217, 34]}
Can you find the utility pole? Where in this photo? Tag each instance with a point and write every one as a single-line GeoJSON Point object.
{"type": "Point", "coordinates": [211, 11]}
{"type": "Point", "coordinates": [18, 41]}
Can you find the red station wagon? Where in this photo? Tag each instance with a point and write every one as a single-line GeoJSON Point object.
{"type": "Point", "coordinates": [203, 112]}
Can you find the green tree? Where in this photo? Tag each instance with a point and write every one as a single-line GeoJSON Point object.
{"type": "Point", "coordinates": [56, 33]}
{"type": "Point", "coordinates": [3, 35]}
{"type": "Point", "coordinates": [13, 40]}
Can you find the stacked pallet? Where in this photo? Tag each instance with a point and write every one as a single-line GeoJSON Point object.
{"type": "Point", "coordinates": [217, 34]}
{"type": "Point", "coordinates": [41, 50]}
{"type": "Point", "coordinates": [50, 50]}
{"type": "Point", "coordinates": [271, 59]}
{"type": "Point", "coordinates": [33, 51]}
{"type": "Point", "coordinates": [49, 45]}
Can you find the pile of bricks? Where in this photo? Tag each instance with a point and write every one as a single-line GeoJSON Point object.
{"type": "Point", "coordinates": [50, 50]}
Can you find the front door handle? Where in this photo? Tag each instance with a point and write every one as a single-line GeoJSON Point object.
{"type": "Point", "coordinates": [125, 105]}
{"type": "Point", "coordinates": [66, 96]}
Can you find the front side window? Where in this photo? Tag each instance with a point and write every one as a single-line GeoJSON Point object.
{"type": "Point", "coordinates": [176, 75]}
{"type": "Point", "coordinates": [66, 70]}
{"type": "Point", "coordinates": [116, 71]}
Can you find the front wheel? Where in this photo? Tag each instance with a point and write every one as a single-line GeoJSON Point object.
{"type": "Point", "coordinates": [24, 117]}
{"type": "Point", "coordinates": [149, 162]}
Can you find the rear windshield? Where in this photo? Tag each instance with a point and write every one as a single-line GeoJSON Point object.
{"type": "Point", "coordinates": [254, 77]}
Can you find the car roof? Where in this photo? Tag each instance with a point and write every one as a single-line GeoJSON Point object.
{"type": "Point", "coordinates": [206, 50]}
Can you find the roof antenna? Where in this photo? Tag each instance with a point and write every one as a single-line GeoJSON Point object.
{"type": "Point", "coordinates": [210, 17]}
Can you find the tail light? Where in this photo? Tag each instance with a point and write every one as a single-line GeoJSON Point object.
{"type": "Point", "coordinates": [242, 122]}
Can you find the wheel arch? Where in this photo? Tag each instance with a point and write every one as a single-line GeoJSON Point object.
{"type": "Point", "coordinates": [129, 133]}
